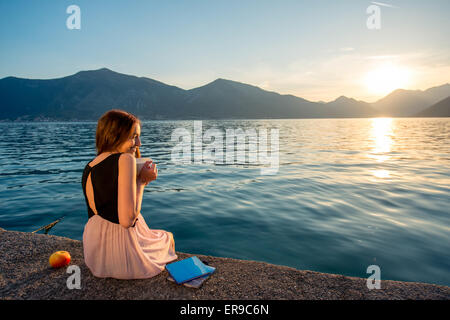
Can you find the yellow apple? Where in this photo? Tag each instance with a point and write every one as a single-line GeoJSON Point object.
{"type": "Point", "coordinates": [59, 259]}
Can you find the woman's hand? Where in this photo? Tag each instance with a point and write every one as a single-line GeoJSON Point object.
{"type": "Point", "coordinates": [148, 173]}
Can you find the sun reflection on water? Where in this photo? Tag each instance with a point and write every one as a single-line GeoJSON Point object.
{"type": "Point", "coordinates": [381, 173]}
{"type": "Point", "coordinates": [381, 134]}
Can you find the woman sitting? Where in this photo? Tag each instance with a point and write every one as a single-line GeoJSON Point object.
{"type": "Point", "coordinates": [117, 242]}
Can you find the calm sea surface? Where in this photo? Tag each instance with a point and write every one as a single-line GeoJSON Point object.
{"type": "Point", "coordinates": [349, 193]}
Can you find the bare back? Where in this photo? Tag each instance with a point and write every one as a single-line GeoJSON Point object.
{"type": "Point", "coordinates": [89, 188]}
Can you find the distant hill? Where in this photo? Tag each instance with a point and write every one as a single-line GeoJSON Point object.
{"type": "Point", "coordinates": [440, 109]}
{"type": "Point", "coordinates": [343, 106]}
{"type": "Point", "coordinates": [405, 103]}
{"type": "Point", "coordinates": [225, 98]}
{"type": "Point", "coordinates": [86, 95]}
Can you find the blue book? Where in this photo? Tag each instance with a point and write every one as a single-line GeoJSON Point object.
{"type": "Point", "coordinates": [188, 269]}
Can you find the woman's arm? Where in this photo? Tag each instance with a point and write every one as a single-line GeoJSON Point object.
{"type": "Point", "coordinates": [139, 193]}
{"type": "Point", "coordinates": [148, 173]}
{"type": "Point", "coordinates": [128, 205]}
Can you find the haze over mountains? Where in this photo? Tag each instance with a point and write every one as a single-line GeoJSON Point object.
{"type": "Point", "coordinates": [86, 95]}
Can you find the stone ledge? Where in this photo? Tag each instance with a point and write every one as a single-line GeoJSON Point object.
{"type": "Point", "coordinates": [26, 274]}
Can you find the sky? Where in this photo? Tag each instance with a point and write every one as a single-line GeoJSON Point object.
{"type": "Point", "coordinates": [318, 50]}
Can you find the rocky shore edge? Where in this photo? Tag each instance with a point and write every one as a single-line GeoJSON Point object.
{"type": "Point", "coordinates": [25, 273]}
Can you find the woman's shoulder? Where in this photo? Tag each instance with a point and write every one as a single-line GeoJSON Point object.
{"type": "Point", "coordinates": [127, 160]}
{"type": "Point", "coordinates": [126, 157]}
{"type": "Point", "coordinates": [99, 159]}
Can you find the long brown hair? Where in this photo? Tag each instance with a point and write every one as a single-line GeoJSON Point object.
{"type": "Point", "coordinates": [114, 128]}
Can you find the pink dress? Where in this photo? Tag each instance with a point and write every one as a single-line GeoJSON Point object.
{"type": "Point", "coordinates": [111, 250]}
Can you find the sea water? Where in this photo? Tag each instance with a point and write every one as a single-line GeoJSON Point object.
{"type": "Point", "coordinates": [347, 193]}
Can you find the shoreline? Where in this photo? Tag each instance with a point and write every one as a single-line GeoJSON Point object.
{"type": "Point", "coordinates": [26, 274]}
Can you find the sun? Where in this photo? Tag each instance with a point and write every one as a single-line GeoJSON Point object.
{"type": "Point", "coordinates": [387, 78]}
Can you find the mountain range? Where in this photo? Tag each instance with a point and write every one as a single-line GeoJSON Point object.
{"type": "Point", "coordinates": [86, 95]}
{"type": "Point", "coordinates": [440, 109]}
